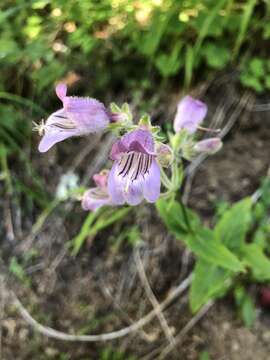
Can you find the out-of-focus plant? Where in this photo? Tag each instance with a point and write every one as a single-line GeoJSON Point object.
{"type": "Point", "coordinates": [255, 74]}
{"type": "Point", "coordinates": [41, 40]}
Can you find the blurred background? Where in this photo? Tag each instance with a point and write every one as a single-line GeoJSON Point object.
{"type": "Point", "coordinates": [77, 272]}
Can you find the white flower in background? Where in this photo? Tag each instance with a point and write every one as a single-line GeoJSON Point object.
{"type": "Point", "coordinates": [68, 183]}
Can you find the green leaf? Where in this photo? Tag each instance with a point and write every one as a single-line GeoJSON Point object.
{"type": "Point", "coordinates": [209, 282]}
{"type": "Point", "coordinates": [173, 216]}
{"type": "Point", "coordinates": [185, 225]}
{"type": "Point", "coordinates": [95, 222]}
{"type": "Point", "coordinates": [145, 120]}
{"type": "Point", "coordinates": [267, 81]}
{"type": "Point", "coordinates": [170, 64]}
{"type": "Point", "coordinates": [216, 56]}
{"type": "Point", "coordinates": [265, 188]}
{"type": "Point", "coordinates": [246, 306]}
{"type": "Point", "coordinates": [149, 43]}
{"type": "Point", "coordinates": [259, 263]}
{"type": "Point", "coordinates": [16, 268]}
{"type": "Point", "coordinates": [251, 82]}
{"type": "Point", "coordinates": [248, 10]}
{"type": "Point", "coordinates": [204, 355]}
{"type": "Point", "coordinates": [204, 244]}
{"type": "Point", "coordinates": [256, 67]}
{"type": "Point", "coordinates": [115, 108]}
{"type": "Point", "coordinates": [208, 20]}
{"type": "Point", "coordinates": [234, 224]}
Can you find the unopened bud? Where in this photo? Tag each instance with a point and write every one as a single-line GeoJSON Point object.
{"type": "Point", "coordinates": [164, 155]}
{"type": "Point", "coordinates": [209, 146]}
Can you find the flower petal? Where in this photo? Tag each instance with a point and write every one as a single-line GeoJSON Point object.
{"type": "Point", "coordinates": [51, 139]}
{"type": "Point", "coordinates": [92, 201]}
{"type": "Point", "coordinates": [190, 113]}
{"type": "Point", "coordinates": [209, 146]}
{"type": "Point", "coordinates": [116, 185]}
{"type": "Point", "coordinates": [117, 149]}
{"type": "Point", "coordinates": [139, 140]}
{"type": "Point", "coordinates": [58, 127]}
{"type": "Point", "coordinates": [134, 192]}
{"type": "Point", "coordinates": [151, 184]}
{"type": "Point", "coordinates": [89, 114]}
{"type": "Point", "coordinates": [101, 179]}
{"type": "Point", "coordinates": [61, 91]}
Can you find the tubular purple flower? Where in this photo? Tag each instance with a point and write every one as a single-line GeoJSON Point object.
{"type": "Point", "coordinates": [135, 174]}
{"type": "Point", "coordinates": [79, 116]}
{"type": "Point", "coordinates": [190, 113]}
{"type": "Point", "coordinates": [209, 146]}
{"type": "Point", "coordinates": [97, 197]}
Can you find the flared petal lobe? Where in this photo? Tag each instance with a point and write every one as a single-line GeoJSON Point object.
{"type": "Point", "coordinates": [139, 140]}
{"type": "Point", "coordinates": [57, 128]}
{"type": "Point", "coordinates": [151, 185]}
{"type": "Point", "coordinates": [97, 197]}
{"type": "Point", "coordinates": [190, 113]}
{"type": "Point", "coordinates": [93, 199]}
{"type": "Point", "coordinates": [116, 186]}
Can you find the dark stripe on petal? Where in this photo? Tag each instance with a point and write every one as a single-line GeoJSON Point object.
{"type": "Point", "coordinates": [64, 126]}
{"type": "Point", "coordinates": [137, 171]}
{"type": "Point", "coordinates": [130, 165]}
{"type": "Point", "coordinates": [125, 161]}
{"type": "Point", "coordinates": [60, 116]}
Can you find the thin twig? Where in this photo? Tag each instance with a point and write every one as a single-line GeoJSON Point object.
{"type": "Point", "coordinates": [179, 338]}
{"type": "Point", "coordinates": [106, 291]}
{"type": "Point", "coordinates": [50, 332]}
{"type": "Point", "coordinates": [163, 322]}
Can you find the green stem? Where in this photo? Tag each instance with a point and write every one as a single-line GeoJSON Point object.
{"type": "Point", "coordinates": [186, 217]}
{"type": "Point", "coordinates": [165, 180]}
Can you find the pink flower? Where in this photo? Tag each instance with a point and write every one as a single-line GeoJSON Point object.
{"type": "Point", "coordinates": [135, 174]}
{"type": "Point", "coordinates": [190, 113]}
{"type": "Point", "coordinates": [79, 116]}
{"type": "Point", "coordinates": [97, 197]}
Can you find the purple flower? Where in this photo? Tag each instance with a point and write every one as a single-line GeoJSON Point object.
{"type": "Point", "coordinates": [79, 116]}
{"type": "Point", "coordinates": [97, 197]}
{"type": "Point", "coordinates": [190, 113]}
{"type": "Point", "coordinates": [209, 146]}
{"type": "Point", "coordinates": [135, 173]}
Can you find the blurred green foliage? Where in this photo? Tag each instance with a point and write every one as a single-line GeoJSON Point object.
{"type": "Point", "coordinates": [123, 42]}
{"type": "Point", "coordinates": [121, 45]}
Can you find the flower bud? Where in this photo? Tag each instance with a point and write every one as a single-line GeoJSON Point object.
{"type": "Point", "coordinates": [209, 146]}
{"type": "Point", "coordinates": [190, 113]}
{"type": "Point", "coordinates": [164, 155]}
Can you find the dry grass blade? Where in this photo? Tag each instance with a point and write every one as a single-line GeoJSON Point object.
{"type": "Point", "coordinates": [163, 322]}
{"type": "Point", "coordinates": [59, 335]}
{"type": "Point", "coordinates": [179, 338]}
